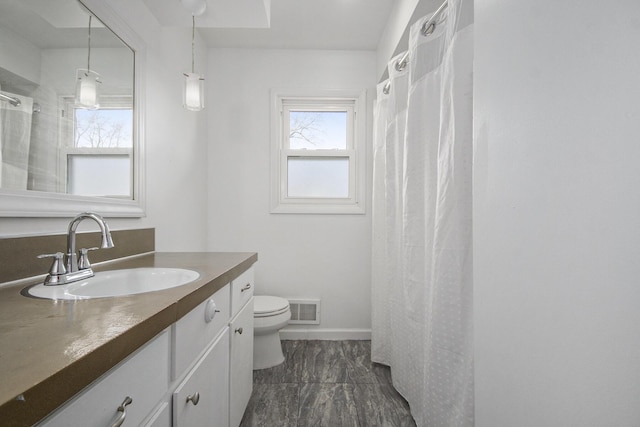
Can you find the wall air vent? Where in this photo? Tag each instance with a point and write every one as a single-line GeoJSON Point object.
{"type": "Point", "coordinates": [304, 311]}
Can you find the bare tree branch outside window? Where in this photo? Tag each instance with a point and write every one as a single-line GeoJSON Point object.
{"type": "Point", "coordinates": [306, 126]}
{"type": "Point", "coordinates": [99, 129]}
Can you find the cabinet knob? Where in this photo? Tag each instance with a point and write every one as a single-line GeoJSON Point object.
{"type": "Point", "coordinates": [239, 331]}
{"type": "Point", "coordinates": [210, 311]}
{"type": "Point", "coordinates": [123, 412]}
{"type": "Point", "coordinates": [194, 398]}
{"type": "Point", "coordinates": [246, 287]}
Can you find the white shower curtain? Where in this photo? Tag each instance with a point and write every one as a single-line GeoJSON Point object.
{"type": "Point", "coordinates": [422, 274]}
{"type": "Point", "coordinates": [15, 139]}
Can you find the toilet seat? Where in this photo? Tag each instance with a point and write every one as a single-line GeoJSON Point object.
{"type": "Point", "coordinates": [267, 306]}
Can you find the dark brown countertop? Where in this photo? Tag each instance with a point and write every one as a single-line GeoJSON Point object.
{"type": "Point", "coordinates": [50, 350]}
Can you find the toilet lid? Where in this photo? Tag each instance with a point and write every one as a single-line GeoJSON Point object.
{"type": "Point", "coordinates": [267, 305]}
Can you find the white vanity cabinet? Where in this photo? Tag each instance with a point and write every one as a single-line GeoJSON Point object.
{"type": "Point", "coordinates": [161, 417]}
{"type": "Point", "coordinates": [241, 291]}
{"type": "Point", "coordinates": [143, 376]}
{"type": "Point", "coordinates": [201, 349]}
{"type": "Point", "coordinates": [202, 398]}
{"type": "Point", "coordinates": [241, 363]}
{"type": "Point", "coordinates": [197, 372]}
{"type": "Point", "coordinates": [241, 355]}
{"type": "Point", "coordinates": [197, 329]}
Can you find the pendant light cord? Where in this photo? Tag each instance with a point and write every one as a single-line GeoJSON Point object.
{"type": "Point", "coordinates": [193, 45]}
{"type": "Point", "coordinates": [89, 46]}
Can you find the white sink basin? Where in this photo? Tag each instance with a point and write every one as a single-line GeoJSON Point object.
{"type": "Point", "coordinates": [117, 283]}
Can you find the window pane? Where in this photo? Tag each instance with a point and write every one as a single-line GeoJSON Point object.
{"type": "Point", "coordinates": [105, 128]}
{"type": "Point", "coordinates": [318, 130]}
{"type": "Point", "coordinates": [99, 175]}
{"type": "Point", "coordinates": [318, 177]}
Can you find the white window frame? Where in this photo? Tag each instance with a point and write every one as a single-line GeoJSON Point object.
{"type": "Point", "coordinates": [67, 138]}
{"type": "Point", "coordinates": [355, 105]}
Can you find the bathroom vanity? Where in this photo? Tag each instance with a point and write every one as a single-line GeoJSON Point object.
{"type": "Point", "coordinates": [182, 356]}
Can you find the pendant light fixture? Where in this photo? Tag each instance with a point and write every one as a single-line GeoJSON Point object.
{"type": "Point", "coordinates": [193, 94]}
{"type": "Point", "coordinates": [88, 82]}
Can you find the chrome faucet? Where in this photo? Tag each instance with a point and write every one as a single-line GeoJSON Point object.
{"type": "Point", "coordinates": [74, 268]}
{"type": "Point", "coordinates": [72, 255]}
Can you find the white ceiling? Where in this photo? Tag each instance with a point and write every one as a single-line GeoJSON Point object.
{"type": "Point", "coordinates": [285, 24]}
{"type": "Point", "coordinates": [218, 13]}
{"type": "Point", "coordinates": [290, 24]}
{"type": "Point", "coordinates": [53, 23]}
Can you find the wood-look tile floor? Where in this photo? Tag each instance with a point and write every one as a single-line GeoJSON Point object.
{"type": "Point", "coordinates": [326, 383]}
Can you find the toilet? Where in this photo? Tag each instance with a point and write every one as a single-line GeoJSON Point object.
{"type": "Point", "coordinates": [270, 314]}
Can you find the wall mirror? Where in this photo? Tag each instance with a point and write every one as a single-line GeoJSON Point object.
{"type": "Point", "coordinates": [70, 110]}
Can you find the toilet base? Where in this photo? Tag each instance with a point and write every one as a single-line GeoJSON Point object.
{"type": "Point", "coordinates": [267, 350]}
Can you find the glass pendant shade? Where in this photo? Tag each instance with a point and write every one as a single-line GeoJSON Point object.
{"type": "Point", "coordinates": [193, 92]}
{"type": "Point", "coordinates": [87, 89]}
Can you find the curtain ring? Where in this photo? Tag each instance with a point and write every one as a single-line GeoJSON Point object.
{"type": "Point", "coordinates": [402, 62]}
{"type": "Point", "coordinates": [426, 30]}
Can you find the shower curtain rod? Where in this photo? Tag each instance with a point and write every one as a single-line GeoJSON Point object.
{"type": "Point", "coordinates": [427, 28]}
{"type": "Point", "coordinates": [13, 101]}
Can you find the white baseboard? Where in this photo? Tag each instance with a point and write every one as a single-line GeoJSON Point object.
{"type": "Point", "coordinates": [325, 334]}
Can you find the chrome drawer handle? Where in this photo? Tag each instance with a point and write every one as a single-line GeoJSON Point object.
{"type": "Point", "coordinates": [123, 412]}
{"type": "Point", "coordinates": [195, 398]}
{"type": "Point", "coordinates": [239, 331]}
{"type": "Point", "coordinates": [246, 287]}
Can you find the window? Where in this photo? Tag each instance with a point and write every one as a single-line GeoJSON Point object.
{"type": "Point", "coordinates": [97, 146]}
{"type": "Point", "coordinates": [317, 154]}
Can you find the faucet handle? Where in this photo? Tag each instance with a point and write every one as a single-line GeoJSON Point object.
{"type": "Point", "coordinates": [57, 268]}
{"type": "Point", "coordinates": [83, 262]}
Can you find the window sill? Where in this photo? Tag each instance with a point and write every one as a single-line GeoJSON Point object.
{"type": "Point", "coordinates": [300, 208]}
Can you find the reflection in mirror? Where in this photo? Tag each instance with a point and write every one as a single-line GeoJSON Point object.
{"type": "Point", "coordinates": [49, 142]}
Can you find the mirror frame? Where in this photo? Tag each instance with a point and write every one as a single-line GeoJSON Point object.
{"type": "Point", "coordinates": [26, 203]}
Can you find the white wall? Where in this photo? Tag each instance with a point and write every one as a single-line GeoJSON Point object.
{"type": "Point", "coordinates": [19, 56]}
{"type": "Point", "coordinates": [557, 213]}
{"type": "Point", "coordinates": [317, 256]}
{"type": "Point", "coordinates": [176, 148]}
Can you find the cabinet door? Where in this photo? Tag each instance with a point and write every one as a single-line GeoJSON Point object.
{"type": "Point", "coordinates": [202, 398]}
{"type": "Point", "coordinates": [241, 363]}
{"type": "Point", "coordinates": [195, 331]}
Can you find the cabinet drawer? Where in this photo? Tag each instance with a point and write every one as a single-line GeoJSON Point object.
{"type": "Point", "coordinates": [202, 399]}
{"type": "Point", "coordinates": [144, 377]}
{"type": "Point", "coordinates": [241, 290]}
{"type": "Point", "coordinates": [195, 331]}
